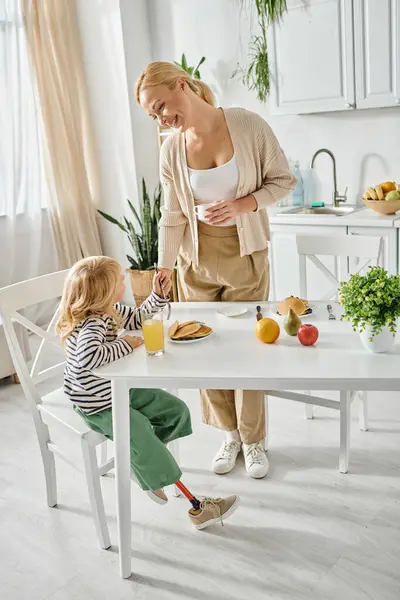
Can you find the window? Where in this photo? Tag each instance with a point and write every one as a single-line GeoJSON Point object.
{"type": "Point", "coordinates": [23, 186]}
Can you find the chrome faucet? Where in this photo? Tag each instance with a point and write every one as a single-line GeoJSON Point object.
{"type": "Point", "coordinates": [337, 198]}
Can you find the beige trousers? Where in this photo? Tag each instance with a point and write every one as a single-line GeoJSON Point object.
{"type": "Point", "coordinates": [223, 275]}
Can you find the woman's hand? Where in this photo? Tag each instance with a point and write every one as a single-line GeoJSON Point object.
{"type": "Point", "coordinates": [162, 283]}
{"type": "Point", "coordinates": [133, 340]}
{"type": "Point", "coordinates": [220, 213]}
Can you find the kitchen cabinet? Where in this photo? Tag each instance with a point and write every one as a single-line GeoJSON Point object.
{"type": "Point", "coordinates": [311, 58]}
{"type": "Point", "coordinates": [331, 55]}
{"type": "Point", "coordinates": [377, 48]}
{"type": "Point", "coordinates": [284, 261]}
{"type": "Point", "coordinates": [388, 258]}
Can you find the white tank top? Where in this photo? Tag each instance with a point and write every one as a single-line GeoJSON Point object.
{"type": "Point", "coordinates": [212, 185]}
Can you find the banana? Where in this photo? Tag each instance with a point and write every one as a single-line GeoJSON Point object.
{"type": "Point", "coordinates": [366, 196]}
{"type": "Point", "coordinates": [371, 191]}
{"type": "Point", "coordinates": [379, 192]}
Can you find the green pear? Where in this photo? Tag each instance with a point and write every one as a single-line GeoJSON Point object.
{"type": "Point", "coordinates": [292, 323]}
{"type": "Point", "coordinates": [393, 195]}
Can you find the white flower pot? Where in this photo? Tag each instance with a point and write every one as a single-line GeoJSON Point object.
{"type": "Point", "coordinates": [378, 343]}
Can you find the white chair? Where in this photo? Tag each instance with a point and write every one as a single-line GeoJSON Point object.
{"type": "Point", "coordinates": [342, 248]}
{"type": "Point", "coordinates": [54, 407]}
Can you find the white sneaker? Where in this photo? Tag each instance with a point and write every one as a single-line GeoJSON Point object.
{"type": "Point", "coordinates": [225, 459]}
{"type": "Point", "coordinates": [256, 460]}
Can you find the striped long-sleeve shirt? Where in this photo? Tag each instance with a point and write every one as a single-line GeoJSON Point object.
{"type": "Point", "coordinates": [94, 343]}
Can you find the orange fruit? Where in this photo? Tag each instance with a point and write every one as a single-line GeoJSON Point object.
{"type": "Point", "coordinates": [388, 186]}
{"type": "Point", "coordinates": [267, 330]}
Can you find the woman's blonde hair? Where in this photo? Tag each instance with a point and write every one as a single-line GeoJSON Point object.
{"type": "Point", "coordinates": [166, 73]}
{"type": "Point", "coordinates": [89, 290]}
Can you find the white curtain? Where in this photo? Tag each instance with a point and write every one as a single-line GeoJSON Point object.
{"type": "Point", "coordinates": [26, 245]}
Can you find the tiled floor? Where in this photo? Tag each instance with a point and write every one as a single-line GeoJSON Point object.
{"type": "Point", "coordinates": [305, 532]}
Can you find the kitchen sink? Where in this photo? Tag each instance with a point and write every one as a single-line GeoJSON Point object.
{"type": "Point", "coordinates": [334, 211]}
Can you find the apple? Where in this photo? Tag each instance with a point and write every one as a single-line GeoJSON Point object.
{"type": "Point", "coordinates": [308, 334]}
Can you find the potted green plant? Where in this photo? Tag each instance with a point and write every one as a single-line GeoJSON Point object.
{"type": "Point", "coordinates": [144, 241]}
{"type": "Point", "coordinates": [192, 71]}
{"type": "Point", "coordinates": [371, 303]}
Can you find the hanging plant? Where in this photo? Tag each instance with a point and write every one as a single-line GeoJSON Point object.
{"type": "Point", "coordinates": [256, 75]}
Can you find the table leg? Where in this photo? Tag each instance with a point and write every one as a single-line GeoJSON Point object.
{"type": "Point", "coordinates": [345, 405]}
{"type": "Point", "coordinates": [121, 434]}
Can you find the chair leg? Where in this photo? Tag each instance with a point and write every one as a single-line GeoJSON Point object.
{"type": "Point", "coordinates": [266, 422]}
{"type": "Point", "coordinates": [308, 408]}
{"type": "Point", "coordinates": [173, 447]}
{"type": "Point", "coordinates": [50, 476]}
{"type": "Point", "coordinates": [49, 464]}
{"type": "Point", "coordinates": [345, 404]}
{"type": "Point", "coordinates": [363, 414]}
{"type": "Point", "coordinates": [103, 455]}
{"type": "Point", "coordinates": [95, 494]}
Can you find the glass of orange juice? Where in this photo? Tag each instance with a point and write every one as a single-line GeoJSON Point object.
{"type": "Point", "coordinates": [153, 334]}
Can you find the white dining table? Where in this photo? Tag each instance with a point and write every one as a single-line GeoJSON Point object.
{"type": "Point", "coordinates": [233, 358]}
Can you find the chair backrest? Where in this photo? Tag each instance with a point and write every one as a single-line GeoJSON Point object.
{"type": "Point", "coordinates": [14, 299]}
{"type": "Point", "coordinates": [342, 247]}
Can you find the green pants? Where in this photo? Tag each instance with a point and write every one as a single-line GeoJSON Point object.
{"type": "Point", "coordinates": [156, 418]}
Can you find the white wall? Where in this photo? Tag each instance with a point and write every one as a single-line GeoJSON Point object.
{"type": "Point", "coordinates": [115, 42]}
{"type": "Point", "coordinates": [365, 143]}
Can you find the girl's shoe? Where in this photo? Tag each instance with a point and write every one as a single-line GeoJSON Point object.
{"type": "Point", "coordinates": [158, 496]}
{"type": "Point", "coordinates": [213, 510]}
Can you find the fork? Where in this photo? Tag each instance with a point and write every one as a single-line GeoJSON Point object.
{"type": "Point", "coordinates": [331, 315]}
{"type": "Point", "coordinates": [164, 294]}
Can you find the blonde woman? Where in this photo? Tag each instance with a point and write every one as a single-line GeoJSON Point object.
{"type": "Point", "coordinates": [219, 172]}
{"type": "Point", "coordinates": [90, 317]}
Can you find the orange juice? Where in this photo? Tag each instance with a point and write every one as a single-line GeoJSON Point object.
{"type": "Point", "coordinates": [153, 334]}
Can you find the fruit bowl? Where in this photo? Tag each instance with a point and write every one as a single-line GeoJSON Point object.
{"type": "Point", "coordinates": [383, 207]}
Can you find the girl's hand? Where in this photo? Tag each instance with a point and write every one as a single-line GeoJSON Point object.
{"type": "Point", "coordinates": [133, 340]}
{"type": "Point", "coordinates": [162, 283]}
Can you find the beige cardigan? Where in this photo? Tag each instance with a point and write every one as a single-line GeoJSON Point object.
{"type": "Point", "coordinates": [263, 172]}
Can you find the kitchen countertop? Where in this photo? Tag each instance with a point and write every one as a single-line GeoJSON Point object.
{"type": "Point", "coordinates": [363, 217]}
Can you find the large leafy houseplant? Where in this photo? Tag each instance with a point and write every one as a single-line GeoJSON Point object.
{"type": "Point", "coordinates": [144, 241]}
{"type": "Point", "coordinates": [256, 75]}
{"type": "Point", "coordinates": [371, 301]}
{"type": "Point", "coordinates": [142, 234]}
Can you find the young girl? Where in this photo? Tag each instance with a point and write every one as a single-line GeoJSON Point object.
{"type": "Point", "coordinates": [90, 317]}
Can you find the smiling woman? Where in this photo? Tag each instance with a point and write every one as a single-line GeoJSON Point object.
{"type": "Point", "coordinates": [219, 172]}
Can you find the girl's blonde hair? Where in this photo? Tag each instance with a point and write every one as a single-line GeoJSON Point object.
{"type": "Point", "coordinates": [166, 73]}
{"type": "Point", "coordinates": [89, 290]}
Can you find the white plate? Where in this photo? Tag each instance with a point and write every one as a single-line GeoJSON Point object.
{"type": "Point", "coordinates": [310, 314]}
{"type": "Point", "coordinates": [193, 341]}
{"type": "Point", "coordinates": [232, 312]}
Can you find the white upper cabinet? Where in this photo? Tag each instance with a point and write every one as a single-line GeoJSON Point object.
{"type": "Point", "coordinates": [330, 55]}
{"type": "Point", "coordinates": [312, 58]}
{"type": "Point", "coordinates": [377, 48]}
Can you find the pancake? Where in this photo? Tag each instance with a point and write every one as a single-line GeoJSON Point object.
{"type": "Point", "coordinates": [186, 330]}
{"type": "Point", "coordinates": [173, 329]}
{"type": "Point", "coordinates": [204, 331]}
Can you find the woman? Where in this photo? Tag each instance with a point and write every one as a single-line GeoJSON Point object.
{"type": "Point", "coordinates": [219, 172]}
